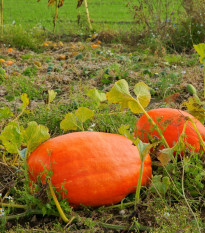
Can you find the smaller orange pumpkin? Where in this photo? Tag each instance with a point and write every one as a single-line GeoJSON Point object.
{"type": "Point", "coordinates": [2, 60]}
{"type": "Point", "coordinates": [9, 63]}
{"type": "Point", "coordinates": [171, 122]}
{"type": "Point", "coordinates": [10, 50]}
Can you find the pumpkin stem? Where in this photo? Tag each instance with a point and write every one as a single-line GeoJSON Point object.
{"type": "Point", "coordinates": [137, 194]}
{"type": "Point", "coordinates": [13, 205]}
{"type": "Point", "coordinates": [62, 214]}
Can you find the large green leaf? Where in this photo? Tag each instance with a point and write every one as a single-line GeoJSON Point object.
{"type": "Point", "coordinates": [69, 122]}
{"type": "Point", "coordinates": [119, 93]}
{"type": "Point", "coordinates": [83, 114]}
{"type": "Point", "coordinates": [34, 135]}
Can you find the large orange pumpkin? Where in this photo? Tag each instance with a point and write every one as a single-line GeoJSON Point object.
{"type": "Point", "coordinates": [94, 168]}
{"type": "Point", "coordinates": [171, 122]}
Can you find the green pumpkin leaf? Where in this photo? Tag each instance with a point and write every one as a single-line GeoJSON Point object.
{"type": "Point", "coordinates": [124, 130]}
{"type": "Point", "coordinates": [34, 135]}
{"type": "Point", "coordinates": [83, 114]}
{"type": "Point", "coordinates": [23, 153]}
{"type": "Point", "coordinates": [69, 122]}
{"type": "Point", "coordinates": [160, 185]}
{"type": "Point", "coordinates": [5, 113]}
{"type": "Point", "coordinates": [96, 95]}
{"type": "Point", "coordinates": [25, 100]}
{"type": "Point", "coordinates": [119, 93]}
{"type": "Point", "coordinates": [51, 95]}
{"type": "Point", "coordinates": [11, 137]}
{"type": "Point", "coordinates": [200, 48]}
{"type": "Point", "coordinates": [143, 148]}
{"type": "Point", "coordinates": [142, 92]}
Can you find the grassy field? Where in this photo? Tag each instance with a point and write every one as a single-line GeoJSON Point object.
{"type": "Point", "coordinates": [105, 14]}
{"type": "Point", "coordinates": [46, 78]}
{"type": "Point", "coordinates": [174, 200]}
{"type": "Point", "coordinates": [29, 13]}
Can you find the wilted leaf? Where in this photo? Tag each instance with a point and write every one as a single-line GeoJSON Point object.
{"type": "Point", "coordinates": [51, 95]}
{"type": "Point", "coordinates": [51, 2]}
{"type": "Point", "coordinates": [96, 95]}
{"type": "Point", "coordinates": [11, 137]}
{"type": "Point", "coordinates": [172, 98]}
{"type": "Point", "coordinates": [83, 114]}
{"type": "Point", "coordinates": [79, 3]}
{"type": "Point", "coordinates": [34, 135]}
{"type": "Point", "coordinates": [196, 108]}
{"type": "Point", "coordinates": [5, 113]}
{"type": "Point", "coordinates": [60, 3]}
{"type": "Point", "coordinates": [25, 100]}
{"type": "Point", "coordinates": [69, 122]}
{"type": "Point", "coordinates": [200, 48]}
{"type": "Point", "coordinates": [142, 92]}
{"type": "Point", "coordinates": [165, 156]}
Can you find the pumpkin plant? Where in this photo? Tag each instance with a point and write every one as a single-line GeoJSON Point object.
{"type": "Point", "coordinates": [94, 168]}
{"type": "Point", "coordinates": [120, 93]}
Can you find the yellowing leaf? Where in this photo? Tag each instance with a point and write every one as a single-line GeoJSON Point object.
{"type": "Point", "coordinates": [165, 156]}
{"type": "Point", "coordinates": [141, 90]}
{"type": "Point", "coordinates": [51, 95]}
{"type": "Point", "coordinates": [69, 122]}
{"type": "Point", "coordinates": [200, 48]}
{"type": "Point", "coordinates": [119, 93]}
{"type": "Point", "coordinates": [34, 135]}
{"type": "Point", "coordinates": [196, 108]}
{"type": "Point", "coordinates": [25, 100]}
{"type": "Point", "coordinates": [96, 95]}
{"type": "Point", "coordinates": [83, 114]}
{"type": "Point", "coordinates": [11, 137]}
{"type": "Point", "coordinates": [5, 113]}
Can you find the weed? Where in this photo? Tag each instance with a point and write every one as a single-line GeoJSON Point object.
{"type": "Point", "coordinates": [15, 85]}
{"type": "Point", "coordinates": [16, 36]}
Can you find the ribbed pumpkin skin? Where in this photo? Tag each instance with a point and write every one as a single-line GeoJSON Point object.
{"type": "Point", "coordinates": [95, 168]}
{"type": "Point", "coordinates": [171, 122]}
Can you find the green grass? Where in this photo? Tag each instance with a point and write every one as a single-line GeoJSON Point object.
{"type": "Point", "coordinates": [100, 11]}
{"type": "Point", "coordinates": [163, 205]}
{"type": "Point", "coordinates": [104, 13]}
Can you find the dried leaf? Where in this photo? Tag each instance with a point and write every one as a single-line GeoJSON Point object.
{"type": "Point", "coordinates": [79, 3]}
